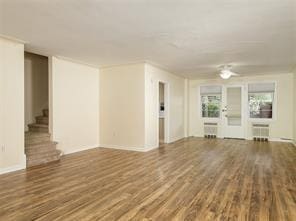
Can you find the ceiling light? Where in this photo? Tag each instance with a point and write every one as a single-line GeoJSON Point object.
{"type": "Point", "coordinates": [225, 74]}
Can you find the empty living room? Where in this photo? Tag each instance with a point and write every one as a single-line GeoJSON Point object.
{"type": "Point", "coordinates": [148, 110]}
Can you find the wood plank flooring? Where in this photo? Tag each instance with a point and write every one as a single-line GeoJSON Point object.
{"type": "Point", "coordinates": [192, 179]}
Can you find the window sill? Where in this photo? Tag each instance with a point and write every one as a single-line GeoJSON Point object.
{"type": "Point", "coordinates": [211, 119]}
{"type": "Point", "coordinates": [261, 120]}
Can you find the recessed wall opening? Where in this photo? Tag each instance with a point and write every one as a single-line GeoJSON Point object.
{"type": "Point", "coordinates": [162, 111]}
{"type": "Point", "coordinates": [39, 147]}
{"type": "Point", "coordinates": [36, 87]}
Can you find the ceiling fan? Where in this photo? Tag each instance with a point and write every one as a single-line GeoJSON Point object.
{"type": "Point", "coordinates": [225, 72]}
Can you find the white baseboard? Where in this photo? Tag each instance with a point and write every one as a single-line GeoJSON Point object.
{"type": "Point", "coordinates": [129, 148]}
{"type": "Point", "coordinates": [151, 148]}
{"type": "Point", "coordinates": [13, 168]}
{"type": "Point", "coordinates": [197, 135]}
{"type": "Point", "coordinates": [176, 139]}
{"type": "Point", "coordinates": [79, 149]}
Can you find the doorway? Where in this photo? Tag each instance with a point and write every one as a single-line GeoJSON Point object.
{"type": "Point", "coordinates": [36, 89]}
{"type": "Point", "coordinates": [232, 112]}
{"type": "Point", "coordinates": [161, 111]}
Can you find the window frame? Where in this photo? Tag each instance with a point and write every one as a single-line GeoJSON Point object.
{"type": "Point", "coordinates": [209, 119]}
{"type": "Point", "coordinates": [274, 103]}
{"type": "Point", "coordinates": [219, 106]}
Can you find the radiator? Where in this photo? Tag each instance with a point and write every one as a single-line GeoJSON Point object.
{"type": "Point", "coordinates": [210, 130]}
{"type": "Point", "coordinates": [260, 132]}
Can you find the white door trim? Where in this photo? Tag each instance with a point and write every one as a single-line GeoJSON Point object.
{"type": "Point", "coordinates": [225, 128]}
{"type": "Point", "coordinates": [166, 111]}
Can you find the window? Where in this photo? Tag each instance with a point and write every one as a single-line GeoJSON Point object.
{"type": "Point", "coordinates": [261, 97]}
{"type": "Point", "coordinates": [210, 101]}
{"type": "Point", "coordinates": [211, 106]}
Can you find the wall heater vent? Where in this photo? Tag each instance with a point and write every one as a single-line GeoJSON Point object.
{"type": "Point", "coordinates": [260, 132]}
{"type": "Point", "coordinates": [210, 130]}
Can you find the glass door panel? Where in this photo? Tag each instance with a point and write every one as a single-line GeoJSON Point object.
{"type": "Point", "coordinates": [234, 106]}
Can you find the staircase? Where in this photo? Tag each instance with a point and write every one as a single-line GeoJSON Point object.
{"type": "Point", "coordinates": [38, 146]}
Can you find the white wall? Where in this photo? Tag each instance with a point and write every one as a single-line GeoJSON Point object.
{"type": "Point", "coordinates": [129, 106]}
{"type": "Point", "coordinates": [12, 155]}
{"type": "Point", "coordinates": [281, 127]}
{"type": "Point", "coordinates": [175, 115]}
{"type": "Point", "coordinates": [74, 105]}
{"type": "Point", "coordinates": [122, 103]}
{"type": "Point", "coordinates": [36, 86]}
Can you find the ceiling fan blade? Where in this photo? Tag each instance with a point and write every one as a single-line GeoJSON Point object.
{"type": "Point", "coordinates": [234, 74]}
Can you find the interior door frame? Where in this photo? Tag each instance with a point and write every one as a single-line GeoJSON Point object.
{"type": "Point", "coordinates": [243, 109]}
{"type": "Point", "coordinates": [166, 111]}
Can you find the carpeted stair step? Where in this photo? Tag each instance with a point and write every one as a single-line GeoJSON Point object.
{"type": "Point", "coordinates": [39, 148]}
{"type": "Point", "coordinates": [40, 156]}
{"type": "Point", "coordinates": [38, 128]}
{"type": "Point", "coordinates": [43, 158]}
{"type": "Point", "coordinates": [42, 120]}
{"type": "Point", "coordinates": [36, 137]}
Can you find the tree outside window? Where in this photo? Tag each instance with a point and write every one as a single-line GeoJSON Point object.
{"type": "Point", "coordinates": [211, 106]}
{"type": "Point", "coordinates": [260, 105]}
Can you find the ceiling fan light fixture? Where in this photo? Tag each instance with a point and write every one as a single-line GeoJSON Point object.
{"type": "Point", "coordinates": [225, 74]}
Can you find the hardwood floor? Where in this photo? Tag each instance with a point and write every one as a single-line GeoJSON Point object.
{"type": "Point", "coordinates": [192, 179]}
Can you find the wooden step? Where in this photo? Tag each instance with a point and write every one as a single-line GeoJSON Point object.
{"type": "Point", "coordinates": [45, 112]}
{"type": "Point", "coordinates": [36, 137]}
{"type": "Point", "coordinates": [38, 128]}
{"type": "Point", "coordinates": [42, 120]}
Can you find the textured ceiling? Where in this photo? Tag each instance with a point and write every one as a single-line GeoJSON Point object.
{"type": "Point", "coordinates": [190, 38]}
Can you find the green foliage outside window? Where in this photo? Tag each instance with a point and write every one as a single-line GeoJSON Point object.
{"type": "Point", "coordinates": [260, 105]}
{"type": "Point", "coordinates": [211, 106]}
